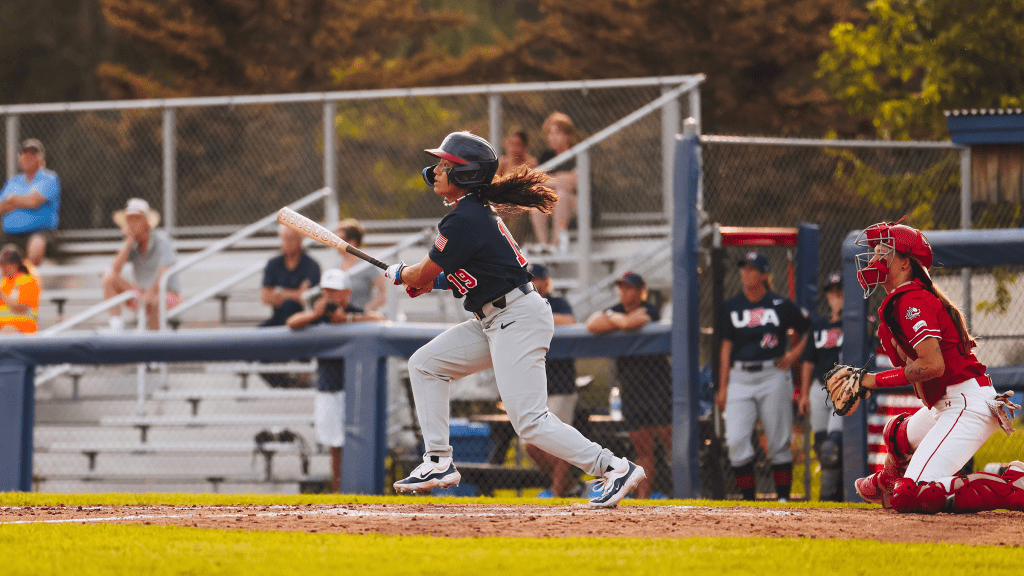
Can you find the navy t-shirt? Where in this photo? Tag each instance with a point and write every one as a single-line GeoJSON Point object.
{"type": "Point", "coordinates": [758, 329]}
{"type": "Point", "coordinates": [276, 275]}
{"type": "Point", "coordinates": [330, 372]}
{"type": "Point", "coordinates": [479, 257]}
{"type": "Point", "coordinates": [563, 167]}
{"type": "Point", "coordinates": [646, 383]}
{"type": "Point", "coordinates": [561, 372]}
{"type": "Point", "coordinates": [824, 346]}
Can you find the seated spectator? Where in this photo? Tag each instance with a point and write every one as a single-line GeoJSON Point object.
{"type": "Point", "coordinates": [287, 277]}
{"type": "Point", "coordinates": [645, 381]}
{"type": "Point", "coordinates": [332, 307]}
{"type": "Point", "coordinates": [151, 252]}
{"type": "Point", "coordinates": [30, 203]}
{"type": "Point", "coordinates": [561, 373]}
{"type": "Point", "coordinates": [561, 135]}
{"type": "Point", "coordinates": [19, 293]}
{"type": "Point", "coordinates": [516, 153]}
{"type": "Point", "coordinates": [369, 290]}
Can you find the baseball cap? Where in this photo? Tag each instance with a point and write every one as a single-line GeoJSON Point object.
{"type": "Point", "coordinates": [34, 143]}
{"type": "Point", "coordinates": [539, 271]}
{"type": "Point", "coordinates": [631, 279]}
{"type": "Point", "coordinates": [755, 259]}
{"type": "Point", "coordinates": [834, 279]}
{"type": "Point", "coordinates": [336, 279]}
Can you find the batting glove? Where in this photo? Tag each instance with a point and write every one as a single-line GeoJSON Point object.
{"type": "Point", "coordinates": [394, 272]}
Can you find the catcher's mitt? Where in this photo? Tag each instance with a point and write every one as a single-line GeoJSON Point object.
{"type": "Point", "coordinates": [843, 385]}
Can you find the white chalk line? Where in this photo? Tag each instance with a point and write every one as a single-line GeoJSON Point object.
{"type": "Point", "coordinates": [439, 513]}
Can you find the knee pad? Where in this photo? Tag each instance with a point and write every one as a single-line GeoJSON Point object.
{"type": "Point", "coordinates": [831, 453]}
{"type": "Point", "coordinates": [895, 437]}
{"type": "Point", "coordinates": [924, 497]}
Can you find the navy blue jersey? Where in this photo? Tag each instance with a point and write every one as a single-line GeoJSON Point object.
{"type": "Point", "coordinates": [757, 330]}
{"type": "Point", "coordinates": [824, 346]}
{"type": "Point", "coordinates": [561, 371]}
{"type": "Point", "coordinates": [646, 383]}
{"type": "Point", "coordinates": [330, 372]}
{"type": "Point", "coordinates": [277, 275]}
{"type": "Point", "coordinates": [479, 257]}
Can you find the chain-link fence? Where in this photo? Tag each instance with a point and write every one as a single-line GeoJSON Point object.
{"type": "Point", "coordinates": [229, 161]}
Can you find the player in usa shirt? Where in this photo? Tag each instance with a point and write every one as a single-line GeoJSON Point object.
{"type": "Point", "coordinates": [476, 257]}
{"type": "Point", "coordinates": [926, 337]}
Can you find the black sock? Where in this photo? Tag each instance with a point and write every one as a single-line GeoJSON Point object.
{"type": "Point", "coordinates": [745, 480]}
{"type": "Point", "coordinates": [783, 475]}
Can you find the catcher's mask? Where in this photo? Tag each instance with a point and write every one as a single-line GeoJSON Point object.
{"type": "Point", "coordinates": [474, 158]}
{"type": "Point", "coordinates": [873, 266]}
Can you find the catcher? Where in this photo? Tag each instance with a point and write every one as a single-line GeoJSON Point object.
{"type": "Point", "coordinates": [925, 336]}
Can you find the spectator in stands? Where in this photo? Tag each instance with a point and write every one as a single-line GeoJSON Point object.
{"type": "Point", "coordinates": [561, 135]}
{"type": "Point", "coordinates": [19, 293]}
{"type": "Point", "coordinates": [332, 307]}
{"type": "Point", "coordinates": [645, 381]}
{"type": "Point", "coordinates": [369, 290]}
{"type": "Point", "coordinates": [561, 373]}
{"type": "Point", "coordinates": [516, 152]}
{"type": "Point", "coordinates": [30, 203]}
{"type": "Point", "coordinates": [286, 277]}
{"type": "Point", "coordinates": [151, 252]}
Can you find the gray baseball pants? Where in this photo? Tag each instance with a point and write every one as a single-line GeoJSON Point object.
{"type": "Point", "coordinates": [768, 395]}
{"type": "Point", "coordinates": [514, 342]}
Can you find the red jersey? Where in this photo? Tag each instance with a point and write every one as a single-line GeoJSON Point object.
{"type": "Point", "coordinates": [919, 314]}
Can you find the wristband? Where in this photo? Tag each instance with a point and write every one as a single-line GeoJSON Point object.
{"type": "Point", "coordinates": [441, 282]}
{"type": "Point", "coordinates": [891, 378]}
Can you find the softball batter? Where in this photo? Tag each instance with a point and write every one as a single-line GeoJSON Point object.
{"type": "Point", "coordinates": [755, 381]}
{"type": "Point", "coordinates": [926, 337]}
{"type": "Point", "coordinates": [476, 258]}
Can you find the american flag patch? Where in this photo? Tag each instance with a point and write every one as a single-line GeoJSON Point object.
{"type": "Point", "coordinates": [440, 242]}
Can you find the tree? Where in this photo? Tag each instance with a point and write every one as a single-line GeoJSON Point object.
{"type": "Point", "coordinates": [760, 56]}
{"type": "Point", "coordinates": [217, 47]}
{"type": "Point", "coordinates": [915, 58]}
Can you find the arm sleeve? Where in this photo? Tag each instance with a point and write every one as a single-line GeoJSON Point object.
{"type": "Point", "coordinates": [797, 320]}
{"type": "Point", "coordinates": [810, 351]}
{"type": "Point", "coordinates": [50, 188]}
{"type": "Point", "coordinates": [269, 275]}
{"type": "Point", "coordinates": [167, 253]}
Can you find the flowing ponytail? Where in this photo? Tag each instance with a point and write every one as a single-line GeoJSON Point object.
{"type": "Point", "coordinates": [955, 315]}
{"type": "Point", "coordinates": [520, 190]}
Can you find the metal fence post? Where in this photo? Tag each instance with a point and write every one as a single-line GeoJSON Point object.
{"type": "Point", "coordinates": [965, 224]}
{"type": "Point", "coordinates": [12, 145]}
{"type": "Point", "coordinates": [583, 216]}
{"type": "Point", "coordinates": [170, 170]}
{"type": "Point", "coordinates": [330, 166]}
{"type": "Point", "coordinates": [17, 418]}
{"type": "Point", "coordinates": [670, 127]}
{"type": "Point", "coordinates": [494, 120]}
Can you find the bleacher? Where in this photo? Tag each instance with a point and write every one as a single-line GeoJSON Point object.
{"type": "Point", "coordinates": [91, 435]}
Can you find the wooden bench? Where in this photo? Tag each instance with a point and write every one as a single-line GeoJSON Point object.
{"type": "Point", "coordinates": [92, 449]}
{"type": "Point", "coordinates": [144, 423]}
{"type": "Point", "coordinates": [246, 369]}
{"type": "Point", "coordinates": [194, 397]}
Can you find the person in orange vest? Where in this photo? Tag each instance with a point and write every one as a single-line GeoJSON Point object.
{"type": "Point", "coordinates": [19, 293]}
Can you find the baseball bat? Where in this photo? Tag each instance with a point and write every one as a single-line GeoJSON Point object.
{"type": "Point", "coordinates": [310, 229]}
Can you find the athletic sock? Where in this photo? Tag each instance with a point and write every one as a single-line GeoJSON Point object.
{"type": "Point", "coordinates": [745, 480]}
{"type": "Point", "coordinates": [783, 475]}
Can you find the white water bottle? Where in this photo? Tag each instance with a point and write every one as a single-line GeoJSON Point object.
{"type": "Point", "coordinates": [615, 404]}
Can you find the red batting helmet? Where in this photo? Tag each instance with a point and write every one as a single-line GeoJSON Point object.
{"type": "Point", "coordinates": [872, 268]}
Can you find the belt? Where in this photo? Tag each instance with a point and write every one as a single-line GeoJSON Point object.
{"type": "Point", "coordinates": [504, 300]}
{"type": "Point", "coordinates": [754, 366]}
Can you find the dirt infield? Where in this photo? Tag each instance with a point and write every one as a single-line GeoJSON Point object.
{"type": "Point", "coordinates": [465, 520]}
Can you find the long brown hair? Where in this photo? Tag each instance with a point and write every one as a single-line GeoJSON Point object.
{"type": "Point", "coordinates": [918, 273]}
{"type": "Point", "coordinates": [520, 190]}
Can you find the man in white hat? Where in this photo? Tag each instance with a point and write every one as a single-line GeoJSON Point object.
{"type": "Point", "coordinates": [151, 253]}
{"type": "Point", "coordinates": [30, 202]}
{"type": "Point", "coordinates": [332, 307]}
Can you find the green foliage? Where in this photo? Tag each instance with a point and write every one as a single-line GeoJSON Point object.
{"type": "Point", "coordinates": [916, 58]}
{"type": "Point", "coordinates": [163, 550]}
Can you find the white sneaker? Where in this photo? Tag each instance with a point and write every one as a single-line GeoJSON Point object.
{"type": "Point", "coordinates": [116, 324]}
{"type": "Point", "coordinates": [616, 483]}
{"type": "Point", "coordinates": [434, 472]}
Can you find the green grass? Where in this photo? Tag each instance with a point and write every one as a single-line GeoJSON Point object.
{"type": "Point", "coordinates": [160, 551]}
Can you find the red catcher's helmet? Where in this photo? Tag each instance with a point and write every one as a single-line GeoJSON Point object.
{"type": "Point", "coordinates": [474, 158]}
{"type": "Point", "coordinates": [872, 268]}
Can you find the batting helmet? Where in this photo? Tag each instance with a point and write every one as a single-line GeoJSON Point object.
{"type": "Point", "coordinates": [474, 158]}
{"type": "Point", "coordinates": [872, 268]}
